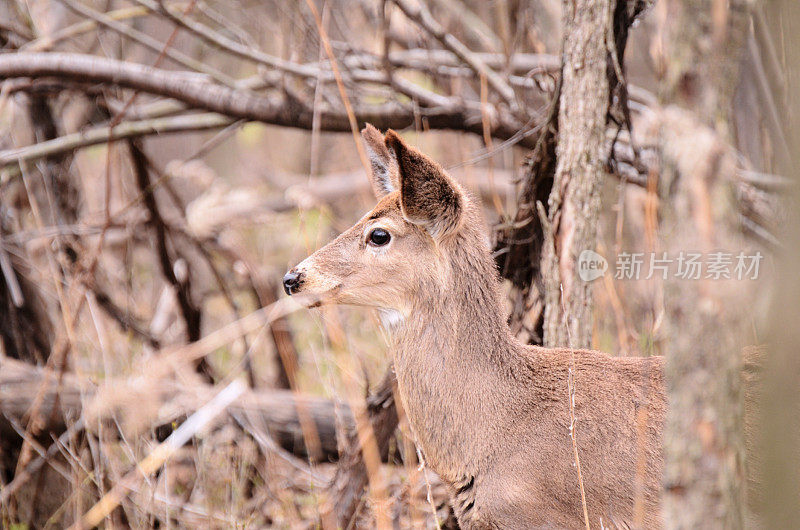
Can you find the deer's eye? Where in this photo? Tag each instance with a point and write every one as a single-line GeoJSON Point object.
{"type": "Point", "coordinates": [378, 237]}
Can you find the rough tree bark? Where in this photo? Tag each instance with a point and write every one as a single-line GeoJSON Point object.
{"type": "Point", "coordinates": [703, 443]}
{"type": "Point", "coordinates": [520, 244]}
{"type": "Point", "coordinates": [574, 203]}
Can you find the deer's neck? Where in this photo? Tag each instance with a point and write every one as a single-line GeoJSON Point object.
{"type": "Point", "coordinates": [455, 360]}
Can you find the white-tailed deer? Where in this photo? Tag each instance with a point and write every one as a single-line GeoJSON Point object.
{"type": "Point", "coordinates": [491, 415]}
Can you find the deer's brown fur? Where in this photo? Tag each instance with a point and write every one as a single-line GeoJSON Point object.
{"type": "Point", "coordinates": [490, 414]}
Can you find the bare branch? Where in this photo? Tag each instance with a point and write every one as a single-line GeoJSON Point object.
{"type": "Point", "coordinates": [235, 103]}
{"type": "Point", "coordinates": [189, 88]}
{"type": "Point", "coordinates": [224, 43]}
{"type": "Point", "coordinates": [102, 134]}
{"type": "Point", "coordinates": [147, 41]}
{"type": "Point", "coordinates": [425, 20]}
{"type": "Point", "coordinates": [191, 313]}
{"type": "Point", "coordinates": [446, 62]}
{"type": "Point", "coordinates": [312, 71]}
{"type": "Point", "coordinates": [47, 42]}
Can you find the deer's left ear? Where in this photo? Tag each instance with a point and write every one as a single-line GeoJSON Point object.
{"type": "Point", "coordinates": [428, 196]}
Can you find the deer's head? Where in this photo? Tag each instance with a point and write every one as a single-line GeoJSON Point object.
{"type": "Point", "coordinates": [403, 246]}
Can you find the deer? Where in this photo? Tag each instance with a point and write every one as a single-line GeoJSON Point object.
{"type": "Point", "coordinates": [489, 414]}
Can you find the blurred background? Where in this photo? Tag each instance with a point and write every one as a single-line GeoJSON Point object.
{"type": "Point", "coordinates": [162, 164]}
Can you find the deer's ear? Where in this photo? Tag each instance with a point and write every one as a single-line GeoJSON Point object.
{"type": "Point", "coordinates": [428, 196]}
{"type": "Point", "coordinates": [384, 177]}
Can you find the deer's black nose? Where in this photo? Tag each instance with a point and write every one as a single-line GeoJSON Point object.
{"type": "Point", "coordinates": [292, 281]}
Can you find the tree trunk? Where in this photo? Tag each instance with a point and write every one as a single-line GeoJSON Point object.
{"type": "Point", "coordinates": [779, 426]}
{"type": "Point", "coordinates": [574, 202]}
{"type": "Point", "coordinates": [706, 321]}
{"type": "Point", "coordinates": [521, 245]}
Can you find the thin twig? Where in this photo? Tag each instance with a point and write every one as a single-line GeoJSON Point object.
{"type": "Point", "coordinates": [189, 310]}
{"type": "Point", "coordinates": [429, 495]}
{"type": "Point", "coordinates": [573, 422]}
{"type": "Point", "coordinates": [10, 277]}
{"type": "Point", "coordinates": [351, 116]}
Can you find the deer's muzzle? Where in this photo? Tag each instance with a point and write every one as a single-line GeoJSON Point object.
{"type": "Point", "coordinates": [292, 281]}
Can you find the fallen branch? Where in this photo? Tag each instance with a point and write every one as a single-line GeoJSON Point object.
{"type": "Point", "coordinates": [275, 409]}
